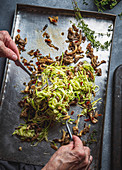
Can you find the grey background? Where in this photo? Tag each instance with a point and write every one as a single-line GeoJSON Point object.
{"type": "Point", "coordinates": [7, 8]}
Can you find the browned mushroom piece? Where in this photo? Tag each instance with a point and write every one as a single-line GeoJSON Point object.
{"type": "Point", "coordinates": [24, 113]}
{"type": "Point", "coordinates": [94, 60]}
{"type": "Point", "coordinates": [17, 38]}
{"type": "Point", "coordinates": [86, 129]}
{"type": "Point", "coordinates": [20, 43]}
{"type": "Point", "coordinates": [44, 28]}
{"type": "Point", "coordinates": [67, 61]}
{"type": "Point", "coordinates": [96, 114]}
{"type": "Point", "coordinates": [70, 31]}
{"type": "Point", "coordinates": [66, 140]}
{"type": "Point", "coordinates": [48, 41]}
{"type": "Point", "coordinates": [74, 51]}
{"type": "Point", "coordinates": [25, 39]}
{"type": "Point", "coordinates": [31, 52]}
{"type": "Point", "coordinates": [34, 137]}
{"type": "Point", "coordinates": [63, 135]}
{"type": "Point", "coordinates": [91, 76]}
{"type": "Point", "coordinates": [93, 119]}
{"type": "Point", "coordinates": [77, 58]}
{"type": "Point", "coordinates": [57, 140]}
{"type": "Point", "coordinates": [45, 34]}
{"type": "Point", "coordinates": [89, 47]}
{"type": "Point", "coordinates": [54, 146]}
{"type": "Point", "coordinates": [79, 50]}
{"type": "Point", "coordinates": [66, 117]}
{"type": "Point", "coordinates": [52, 45]}
{"type": "Point", "coordinates": [75, 130]}
{"type": "Point", "coordinates": [59, 108]}
{"type": "Point", "coordinates": [98, 72]}
{"type": "Point", "coordinates": [80, 134]}
{"type": "Point", "coordinates": [75, 28]}
{"type": "Point", "coordinates": [27, 89]}
{"type": "Point", "coordinates": [99, 63]}
{"type": "Point", "coordinates": [53, 19]}
{"type": "Point", "coordinates": [89, 55]}
{"type": "Point", "coordinates": [72, 103]}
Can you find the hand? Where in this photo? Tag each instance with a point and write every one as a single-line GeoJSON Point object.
{"type": "Point", "coordinates": [73, 156]}
{"type": "Point", "coordinates": [8, 47]}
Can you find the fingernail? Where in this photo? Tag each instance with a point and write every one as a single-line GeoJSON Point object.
{"type": "Point", "coordinates": [14, 57]}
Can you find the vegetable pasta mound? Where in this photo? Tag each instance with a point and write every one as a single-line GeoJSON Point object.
{"type": "Point", "coordinates": [50, 95]}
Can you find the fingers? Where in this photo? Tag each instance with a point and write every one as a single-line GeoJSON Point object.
{"type": "Point", "coordinates": [90, 161]}
{"type": "Point", "coordinates": [88, 158]}
{"type": "Point", "coordinates": [82, 153]}
{"type": "Point", "coordinates": [6, 52]}
{"type": "Point", "coordinates": [87, 151]}
{"type": "Point", "coordinates": [10, 44]}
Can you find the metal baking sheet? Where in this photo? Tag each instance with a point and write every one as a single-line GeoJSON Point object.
{"type": "Point", "coordinates": [31, 20]}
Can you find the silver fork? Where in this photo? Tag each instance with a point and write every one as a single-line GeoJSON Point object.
{"type": "Point", "coordinates": [20, 64]}
{"type": "Point", "coordinates": [69, 131]}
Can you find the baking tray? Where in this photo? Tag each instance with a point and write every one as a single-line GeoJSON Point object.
{"type": "Point", "coordinates": [31, 20]}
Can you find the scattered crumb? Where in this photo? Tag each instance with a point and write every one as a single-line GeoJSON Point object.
{"type": "Point", "coordinates": [62, 33]}
{"type": "Point", "coordinates": [45, 27]}
{"type": "Point", "coordinates": [18, 30]}
{"type": "Point", "coordinates": [20, 148]}
{"type": "Point", "coordinates": [24, 83]}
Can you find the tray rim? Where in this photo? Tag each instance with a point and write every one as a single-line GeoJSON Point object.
{"type": "Point", "coordinates": [83, 12]}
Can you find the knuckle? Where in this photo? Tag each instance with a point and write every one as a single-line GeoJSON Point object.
{"type": "Point", "coordinates": [4, 32]}
{"type": "Point", "coordinates": [80, 154]}
{"type": "Point", "coordinates": [87, 149]}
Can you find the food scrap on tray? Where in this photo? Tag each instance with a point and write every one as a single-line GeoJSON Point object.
{"type": "Point", "coordinates": [55, 86]}
{"type": "Point", "coordinates": [53, 20]}
{"type": "Point", "coordinates": [20, 43]}
{"type": "Point", "coordinates": [75, 39]}
{"type": "Point", "coordinates": [49, 41]}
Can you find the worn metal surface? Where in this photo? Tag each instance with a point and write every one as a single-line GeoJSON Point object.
{"type": "Point", "coordinates": [31, 20]}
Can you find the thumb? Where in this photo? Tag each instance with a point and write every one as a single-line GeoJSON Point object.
{"type": "Point", "coordinates": [77, 143]}
{"type": "Point", "coordinates": [7, 52]}
{"type": "Point", "coordinates": [70, 145]}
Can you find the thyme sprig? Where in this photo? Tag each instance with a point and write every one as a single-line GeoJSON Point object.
{"type": "Point", "coordinates": [84, 2]}
{"type": "Point", "coordinates": [120, 15]}
{"type": "Point", "coordinates": [102, 5]}
{"type": "Point", "coordinates": [92, 137]}
{"type": "Point", "coordinates": [90, 34]}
